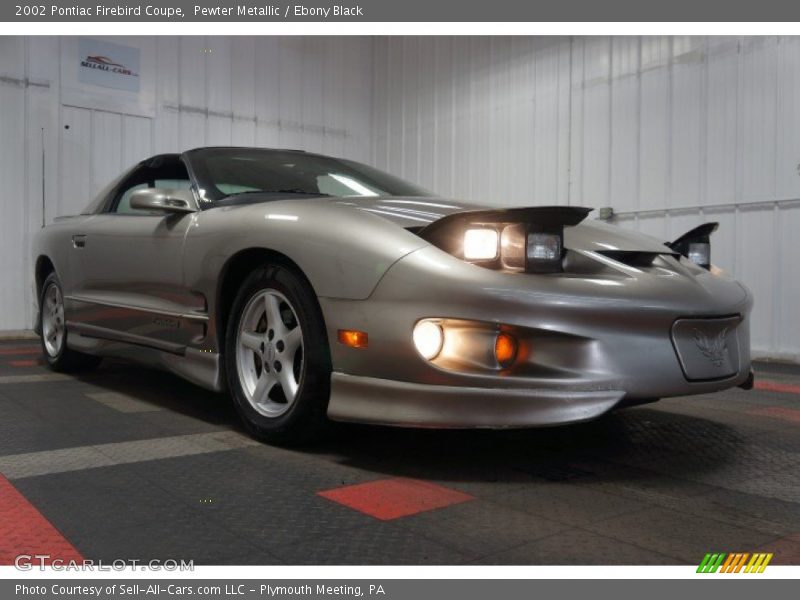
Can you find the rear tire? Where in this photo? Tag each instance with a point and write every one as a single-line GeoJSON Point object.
{"type": "Point", "coordinates": [277, 359]}
{"type": "Point", "coordinates": [54, 331]}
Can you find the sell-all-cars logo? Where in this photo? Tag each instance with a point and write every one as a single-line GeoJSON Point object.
{"type": "Point", "coordinates": [103, 63]}
{"type": "Point", "coordinates": [713, 347]}
{"type": "Point", "coordinates": [734, 562]}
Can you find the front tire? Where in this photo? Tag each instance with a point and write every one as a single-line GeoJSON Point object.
{"type": "Point", "coordinates": [277, 359]}
{"type": "Point", "coordinates": [54, 331]}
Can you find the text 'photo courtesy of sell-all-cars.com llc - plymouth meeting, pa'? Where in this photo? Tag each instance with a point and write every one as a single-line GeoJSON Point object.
{"type": "Point", "coordinates": [313, 289]}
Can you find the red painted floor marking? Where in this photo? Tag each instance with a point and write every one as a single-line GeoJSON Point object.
{"type": "Point", "coordinates": [389, 499]}
{"type": "Point", "coordinates": [26, 363]}
{"type": "Point", "coordinates": [777, 412]}
{"type": "Point", "coordinates": [774, 386]}
{"type": "Point", "coordinates": [19, 351]}
{"type": "Point", "coordinates": [23, 530]}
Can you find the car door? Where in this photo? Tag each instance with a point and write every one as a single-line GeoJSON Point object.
{"type": "Point", "coordinates": [132, 285]}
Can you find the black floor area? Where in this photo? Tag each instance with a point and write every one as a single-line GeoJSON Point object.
{"type": "Point", "coordinates": [131, 463]}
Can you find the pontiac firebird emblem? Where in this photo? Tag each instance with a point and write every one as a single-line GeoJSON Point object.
{"type": "Point", "coordinates": [713, 348]}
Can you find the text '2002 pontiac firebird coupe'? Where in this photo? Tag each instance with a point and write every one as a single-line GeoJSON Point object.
{"type": "Point", "coordinates": [312, 288]}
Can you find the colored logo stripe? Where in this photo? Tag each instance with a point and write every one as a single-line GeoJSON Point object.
{"type": "Point", "coordinates": [711, 563]}
{"type": "Point", "coordinates": [734, 562]}
{"type": "Point", "coordinates": [758, 563]}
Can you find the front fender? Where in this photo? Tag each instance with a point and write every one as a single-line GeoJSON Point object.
{"type": "Point", "coordinates": [342, 251]}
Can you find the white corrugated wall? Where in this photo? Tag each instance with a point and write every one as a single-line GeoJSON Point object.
{"type": "Point", "coordinates": [310, 93]}
{"type": "Point", "coordinates": [669, 131]}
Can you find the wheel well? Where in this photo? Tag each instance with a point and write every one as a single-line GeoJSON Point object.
{"type": "Point", "coordinates": [44, 266]}
{"type": "Point", "coordinates": [238, 267]}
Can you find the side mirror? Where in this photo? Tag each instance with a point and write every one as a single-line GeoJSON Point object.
{"type": "Point", "coordinates": [163, 200]}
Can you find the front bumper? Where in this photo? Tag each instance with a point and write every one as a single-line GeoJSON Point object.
{"type": "Point", "coordinates": [586, 344]}
{"type": "Point", "coordinates": [381, 401]}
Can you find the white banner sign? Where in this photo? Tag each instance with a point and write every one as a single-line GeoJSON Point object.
{"type": "Point", "coordinates": [108, 65]}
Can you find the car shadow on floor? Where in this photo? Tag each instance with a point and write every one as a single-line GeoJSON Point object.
{"type": "Point", "coordinates": [617, 446]}
{"type": "Point", "coordinates": [646, 438]}
{"type": "Point", "coordinates": [163, 391]}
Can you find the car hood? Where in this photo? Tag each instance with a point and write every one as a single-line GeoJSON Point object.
{"type": "Point", "coordinates": [414, 213]}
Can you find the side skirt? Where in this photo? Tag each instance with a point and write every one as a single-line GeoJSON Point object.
{"type": "Point", "coordinates": [203, 368]}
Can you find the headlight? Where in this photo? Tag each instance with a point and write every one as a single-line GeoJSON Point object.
{"type": "Point", "coordinates": [700, 254]}
{"type": "Point", "coordinates": [512, 247]}
{"type": "Point", "coordinates": [481, 244]}
{"type": "Point", "coordinates": [544, 252]}
{"type": "Point", "coordinates": [523, 239]}
{"type": "Point", "coordinates": [543, 246]}
{"type": "Point", "coordinates": [696, 244]}
{"type": "Point", "coordinates": [515, 247]}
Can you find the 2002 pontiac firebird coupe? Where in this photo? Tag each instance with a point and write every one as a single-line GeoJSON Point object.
{"type": "Point", "coordinates": [313, 288]}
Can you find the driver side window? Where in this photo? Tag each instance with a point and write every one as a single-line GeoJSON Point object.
{"type": "Point", "coordinates": [165, 172]}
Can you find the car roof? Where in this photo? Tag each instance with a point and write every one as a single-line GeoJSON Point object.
{"type": "Point", "coordinates": [177, 155]}
{"type": "Point", "coordinates": [247, 148]}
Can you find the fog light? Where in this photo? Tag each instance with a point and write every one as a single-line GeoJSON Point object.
{"type": "Point", "coordinates": [505, 349]}
{"type": "Point", "coordinates": [428, 338]}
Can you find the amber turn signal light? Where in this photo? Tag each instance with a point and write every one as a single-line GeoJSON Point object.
{"type": "Point", "coordinates": [505, 349]}
{"type": "Point", "coordinates": [353, 338]}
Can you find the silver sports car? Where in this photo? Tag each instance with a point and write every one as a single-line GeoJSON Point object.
{"type": "Point", "coordinates": [315, 288]}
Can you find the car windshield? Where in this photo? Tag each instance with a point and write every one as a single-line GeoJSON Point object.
{"type": "Point", "coordinates": [224, 173]}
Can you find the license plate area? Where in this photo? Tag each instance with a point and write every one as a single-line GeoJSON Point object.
{"type": "Point", "coordinates": [707, 348]}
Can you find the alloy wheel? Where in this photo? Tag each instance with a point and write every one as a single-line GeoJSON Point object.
{"type": "Point", "coordinates": [53, 325]}
{"type": "Point", "coordinates": [269, 353]}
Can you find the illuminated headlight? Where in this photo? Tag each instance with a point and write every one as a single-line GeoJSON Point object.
{"type": "Point", "coordinates": [515, 247]}
{"type": "Point", "coordinates": [481, 244]}
{"type": "Point", "coordinates": [700, 254]}
{"type": "Point", "coordinates": [428, 339]}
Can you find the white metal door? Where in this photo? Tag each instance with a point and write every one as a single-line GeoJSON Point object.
{"type": "Point", "coordinates": [96, 146]}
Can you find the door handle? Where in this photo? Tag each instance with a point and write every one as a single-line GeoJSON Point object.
{"type": "Point", "coordinates": [78, 241]}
